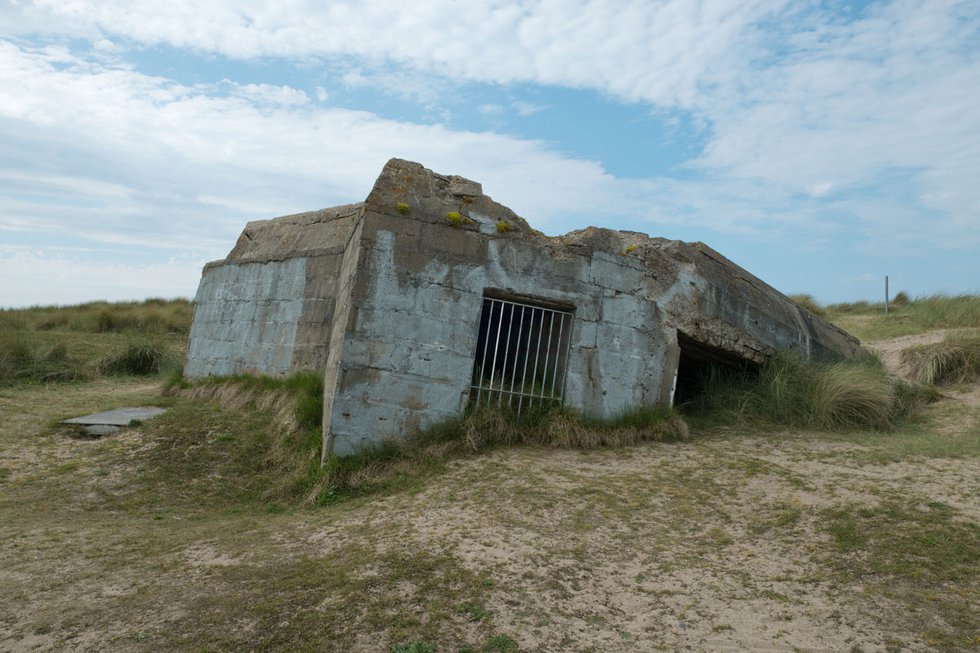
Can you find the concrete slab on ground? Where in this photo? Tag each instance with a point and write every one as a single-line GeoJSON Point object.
{"type": "Point", "coordinates": [110, 421]}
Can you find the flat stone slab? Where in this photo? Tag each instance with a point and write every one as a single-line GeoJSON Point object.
{"type": "Point", "coordinates": [117, 417]}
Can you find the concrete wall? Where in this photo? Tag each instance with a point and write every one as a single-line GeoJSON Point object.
{"type": "Point", "coordinates": [246, 318]}
{"type": "Point", "coordinates": [408, 355]}
{"type": "Point", "coordinates": [269, 307]}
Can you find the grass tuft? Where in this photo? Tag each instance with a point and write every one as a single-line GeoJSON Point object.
{"type": "Point", "coordinates": [137, 359]}
{"type": "Point", "coordinates": [413, 646]}
{"type": "Point", "coordinates": [809, 303]}
{"type": "Point", "coordinates": [901, 299]}
{"type": "Point", "coordinates": [954, 360]}
{"type": "Point", "coordinates": [786, 391]}
{"type": "Point", "coordinates": [53, 343]}
{"type": "Point", "coordinates": [284, 455]}
{"type": "Point", "coordinates": [394, 464]}
{"type": "Point", "coordinates": [23, 360]}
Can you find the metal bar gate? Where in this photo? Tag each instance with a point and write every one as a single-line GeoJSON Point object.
{"type": "Point", "coordinates": [521, 355]}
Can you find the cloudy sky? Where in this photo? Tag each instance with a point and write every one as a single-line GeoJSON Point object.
{"type": "Point", "coordinates": [821, 145]}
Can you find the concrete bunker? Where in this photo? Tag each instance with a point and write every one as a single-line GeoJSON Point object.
{"type": "Point", "coordinates": [429, 297]}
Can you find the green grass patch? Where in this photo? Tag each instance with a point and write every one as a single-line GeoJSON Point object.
{"type": "Point", "coordinates": [917, 552]}
{"type": "Point", "coordinates": [49, 344]}
{"type": "Point", "coordinates": [786, 391]}
{"type": "Point", "coordinates": [867, 320]}
{"type": "Point", "coordinates": [149, 316]}
{"type": "Point", "coordinates": [23, 359]}
{"type": "Point", "coordinates": [317, 604]}
{"type": "Point", "coordinates": [262, 434]}
{"type": "Point", "coordinates": [138, 358]}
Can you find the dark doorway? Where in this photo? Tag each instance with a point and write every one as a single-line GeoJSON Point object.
{"type": "Point", "coordinates": [696, 363]}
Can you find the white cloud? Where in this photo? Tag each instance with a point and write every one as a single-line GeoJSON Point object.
{"type": "Point", "coordinates": [32, 277]}
{"type": "Point", "coordinates": [490, 109]}
{"type": "Point", "coordinates": [664, 52]}
{"type": "Point", "coordinates": [171, 159]}
{"type": "Point", "coordinates": [814, 124]}
{"type": "Point", "coordinates": [269, 94]}
{"type": "Point", "coordinates": [525, 109]}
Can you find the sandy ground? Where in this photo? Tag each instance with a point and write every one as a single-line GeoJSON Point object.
{"type": "Point", "coordinates": [718, 544]}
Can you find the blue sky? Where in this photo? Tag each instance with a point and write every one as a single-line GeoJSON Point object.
{"type": "Point", "coordinates": [821, 145]}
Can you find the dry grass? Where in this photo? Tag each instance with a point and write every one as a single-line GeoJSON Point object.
{"type": "Point", "coordinates": [809, 303]}
{"type": "Point", "coordinates": [48, 344]}
{"type": "Point", "coordinates": [195, 531]}
{"type": "Point", "coordinates": [284, 453]}
{"type": "Point", "coordinates": [953, 361]}
{"type": "Point", "coordinates": [785, 391]}
{"type": "Point", "coordinates": [867, 320]}
{"type": "Point", "coordinates": [159, 539]}
{"type": "Point", "coordinates": [149, 316]}
{"type": "Point", "coordinates": [488, 427]}
{"type": "Point", "coordinates": [396, 464]}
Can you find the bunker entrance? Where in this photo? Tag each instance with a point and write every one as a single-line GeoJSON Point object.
{"type": "Point", "coordinates": [697, 361]}
{"type": "Point", "coordinates": [521, 353]}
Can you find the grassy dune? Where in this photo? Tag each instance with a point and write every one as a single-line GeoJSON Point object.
{"type": "Point", "coordinates": [868, 321]}
{"type": "Point", "coordinates": [52, 343]}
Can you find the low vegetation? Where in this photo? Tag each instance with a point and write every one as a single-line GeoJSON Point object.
{"type": "Point", "coordinates": [953, 361]}
{"type": "Point", "coordinates": [906, 316]}
{"type": "Point", "coordinates": [809, 303]}
{"type": "Point", "coordinates": [396, 463]}
{"type": "Point", "coordinates": [22, 359]}
{"type": "Point", "coordinates": [149, 316]}
{"type": "Point", "coordinates": [262, 430]}
{"type": "Point", "coordinates": [54, 344]}
{"type": "Point", "coordinates": [785, 391]}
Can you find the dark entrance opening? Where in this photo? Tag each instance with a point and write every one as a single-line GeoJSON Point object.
{"type": "Point", "coordinates": [698, 361]}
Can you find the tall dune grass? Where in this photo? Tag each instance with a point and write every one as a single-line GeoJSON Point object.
{"type": "Point", "coordinates": [809, 303]}
{"type": "Point", "coordinates": [23, 359]}
{"type": "Point", "coordinates": [150, 316]}
{"type": "Point", "coordinates": [55, 343]}
{"type": "Point", "coordinates": [855, 394]}
{"type": "Point", "coordinates": [907, 315]}
{"type": "Point", "coordinates": [954, 360]}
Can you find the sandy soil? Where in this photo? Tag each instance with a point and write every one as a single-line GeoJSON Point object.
{"type": "Point", "coordinates": [718, 544]}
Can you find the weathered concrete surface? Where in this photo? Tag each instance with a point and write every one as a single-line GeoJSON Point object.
{"type": "Point", "coordinates": [117, 417]}
{"type": "Point", "coordinates": [384, 298]}
{"type": "Point", "coordinates": [268, 308]}
{"type": "Point", "coordinates": [110, 421]}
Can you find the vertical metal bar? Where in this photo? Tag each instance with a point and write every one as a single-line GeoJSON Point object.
{"type": "Point", "coordinates": [496, 347]}
{"type": "Point", "coordinates": [517, 349]}
{"type": "Point", "coordinates": [554, 377]}
{"type": "Point", "coordinates": [527, 354]}
{"type": "Point", "coordinates": [886, 295]}
{"type": "Point", "coordinates": [503, 374]}
{"type": "Point", "coordinates": [547, 351]}
{"type": "Point", "coordinates": [487, 306]}
{"type": "Point", "coordinates": [568, 349]}
{"type": "Point", "coordinates": [537, 353]}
